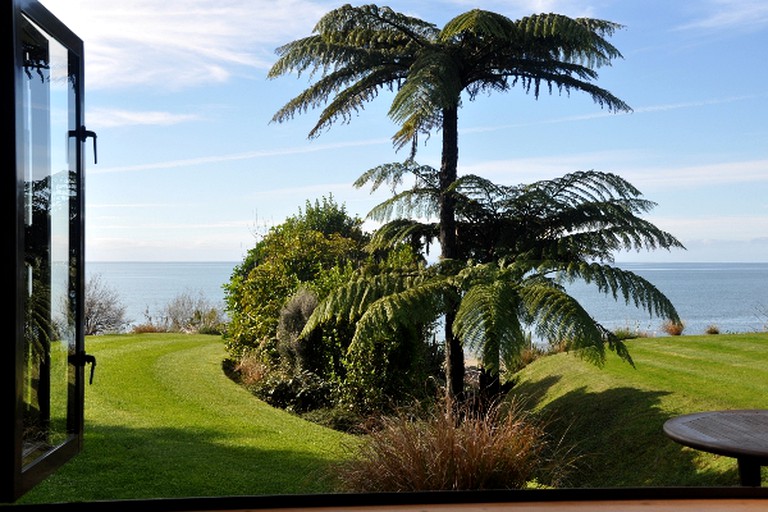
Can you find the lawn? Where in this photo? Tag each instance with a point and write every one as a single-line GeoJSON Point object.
{"type": "Point", "coordinates": [614, 414]}
{"type": "Point", "coordinates": [162, 420]}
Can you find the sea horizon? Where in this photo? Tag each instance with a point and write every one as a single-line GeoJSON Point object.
{"type": "Point", "coordinates": [731, 296]}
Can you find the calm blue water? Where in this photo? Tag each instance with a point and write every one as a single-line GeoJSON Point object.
{"type": "Point", "coordinates": [732, 296]}
{"type": "Point", "coordinates": [148, 287]}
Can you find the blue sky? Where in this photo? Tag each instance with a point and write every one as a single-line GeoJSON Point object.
{"type": "Point", "coordinates": [191, 169]}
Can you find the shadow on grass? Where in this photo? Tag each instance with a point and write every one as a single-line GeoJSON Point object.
{"type": "Point", "coordinates": [618, 434]}
{"type": "Point", "coordinates": [120, 463]}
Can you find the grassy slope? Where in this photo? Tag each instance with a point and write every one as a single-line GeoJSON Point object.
{"type": "Point", "coordinates": [616, 412]}
{"type": "Point", "coordinates": [162, 420]}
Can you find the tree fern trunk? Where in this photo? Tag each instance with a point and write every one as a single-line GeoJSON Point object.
{"type": "Point", "coordinates": [454, 353]}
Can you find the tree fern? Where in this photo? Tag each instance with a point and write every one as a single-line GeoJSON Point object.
{"type": "Point", "coordinates": [356, 52]}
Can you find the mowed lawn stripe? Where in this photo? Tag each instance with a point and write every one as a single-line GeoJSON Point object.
{"type": "Point", "coordinates": [614, 414]}
{"type": "Point", "coordinates": [163, 420]}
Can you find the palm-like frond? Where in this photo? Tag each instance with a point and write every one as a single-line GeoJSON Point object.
{"type": "Point", "coordinates": [579, 216]}
{"type": "Point", "coordinates": [374, 26]}
{"type": "Point", "coordinates": [558, 316]}
{"type": "Point", "coordinates": [359, 51]}
{"type": "Point", "coordinates": [488, 319]}
{"type": "Point", "coordinates": [420, 304]}
{"type": "Point", "coordinates": [378, 305]}
{"type": "Point", "coordinates": [393, 233]}
{"type": "Point", "coordinates": [622, 284]}
{"type": "Point", "coordinates": [434, 83]}
{"type": "Point", "coordinates": [581, 40]}
{"type": "Point", "coordinates": [479, 23]}
{"type": "Point", "coordinates": [418, 201]}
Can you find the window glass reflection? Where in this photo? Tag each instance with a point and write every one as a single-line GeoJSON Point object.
{"type": "Point", "coordinates": [49, 198]}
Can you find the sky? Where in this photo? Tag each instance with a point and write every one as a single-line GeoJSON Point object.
{"type": "Point", "coordinates": [191, 168]}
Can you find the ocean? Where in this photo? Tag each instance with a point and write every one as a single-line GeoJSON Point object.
{"type": "Point", "coordinates": [731, 296]}
{"type": "Point", "coordinates": [145, 288]}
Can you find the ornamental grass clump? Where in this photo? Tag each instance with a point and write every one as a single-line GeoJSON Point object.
{"type": "Point", "coordinates": [673, 328]}
{"type": "Point", "coordinates": [503, 448]}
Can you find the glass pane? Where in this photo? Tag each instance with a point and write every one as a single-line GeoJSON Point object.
{"type": "Point", "coordinates": [49, 195]}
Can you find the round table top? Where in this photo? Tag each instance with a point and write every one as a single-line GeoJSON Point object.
{"type": "Point", "coordinates": [735, 433]}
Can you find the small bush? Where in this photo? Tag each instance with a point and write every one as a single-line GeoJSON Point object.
{"type": "Point", "coordinates": [712, 329]}
{"type": "Point", "coordinates": [338, 418]}
{"type": "Point", "coordinates": [184, 313]}
{"type": "Point", "coordinates": [103, 311]}
{"type": "Point", "coordinates": [296, 392]}
{"type": "Point", "coordinates": [147, 327]}
{"type": "Point", "coordinates": [504, 448]}
{"type": "Point", "coordinates": [673, 328]}
{"type": "Point", "coordinates": [628, 333]}
{"type": "Point", "coordinates": [250, 370]}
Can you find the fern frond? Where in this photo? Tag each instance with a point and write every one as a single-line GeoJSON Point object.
{"type": "Point", "coordinates": [622, 284]}
{"type": "Point", "coordinates": [560, 318]}
{"type": "Point", "coordinates": [355, 25]}
{"type": "Point", "coordinates": [419, 304]}
{"type": "Point", "coordinates": [580, 40]}
{"type": "Point", "coordinates": [392, 174]}
{"type": "Point", "coordinates": [488, 322]}
{"type": "Point", "coordinates": [479, 23]}
{"type": "Point", "coordinates": [402, 230]}
{"type": "Point", "coordinates": [349, 302]}
{"type": "Point", "coordinates": [433, 84]}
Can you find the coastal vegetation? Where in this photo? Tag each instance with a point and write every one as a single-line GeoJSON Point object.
{"type": "Point", "coordinates": [163, 420]}
{"type": "Point", "coordinates": [331, 320]}
{"type": "Point", "coordinates": [355, 53]}
{"type": "Point", "coordinates": [361, 332]}
{"type": "Point", "coordinates": [105, 313]}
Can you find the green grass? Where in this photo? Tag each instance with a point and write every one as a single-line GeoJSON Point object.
{"type": "Point", "coordinates": [615, 414]}
{"type": "Point", "coordinates": [162, 420]}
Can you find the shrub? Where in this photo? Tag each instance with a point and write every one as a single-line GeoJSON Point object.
{"type": "Point", "coordinates": [628, 333]}
{"type": "Point", "coordinates": [184, 313]}
{"type": "Point", "coordinates": [103, 312]}
{"type": "Point", "coordinates": [712, 329]}
{"type": "Point", "coordinates": [505, 448]}
{"type": "Point", "coordinates": [147, 327]}
{"type": "Point", "coordinates": [296, 392]}
{"type": "Point", "coordinates": [673, 328]}
{"type": "Point", "coordinates": [293, 317]}
{"type": "Point", "coordinates": [250, 370]}
{"type": "Point", "coordinates": [338, 418]}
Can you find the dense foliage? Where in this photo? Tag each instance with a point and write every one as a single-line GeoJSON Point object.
{"type": "Point", "coordinates": [356, 52]}
{"type": "Point", "coordinates": [518, 247]}
{"type": "Point", "coordinates": [304, 251]}
{"type": "Point", "coordinates": [276, 289]}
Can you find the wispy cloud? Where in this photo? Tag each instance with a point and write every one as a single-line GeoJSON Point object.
{"type": "Point", "coordinates": [735, 227]}
{"type": "Point", "coordinates": [648, 109]}
{"type": "Point", "coordinates": [111, 118]}
{"type": "Point", "coordinates": [248, 155]}
{"type": "Point", "coordinates": [177, 43]}
{"type": "Point", "coordinates": [629, 164]}
{"type": "Point", "coordinates": [729, 15]}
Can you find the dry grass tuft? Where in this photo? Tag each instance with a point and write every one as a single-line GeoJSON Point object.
{"type": "Point", "coordinates": [505, 448]}
{"type": "Point", "coordinates": [673, 328]}
{"type": "Point", "coordinates": [251, 370]}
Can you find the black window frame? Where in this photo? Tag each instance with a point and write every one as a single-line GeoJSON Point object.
{"type": "Point", "coordinates": [16, 478]}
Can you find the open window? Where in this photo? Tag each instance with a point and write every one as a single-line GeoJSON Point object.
{"type": "Point", "coordinates": [43, 390]}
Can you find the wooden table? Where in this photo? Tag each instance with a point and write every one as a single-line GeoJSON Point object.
{"type": "Point", "coordinates": [742, 434]}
